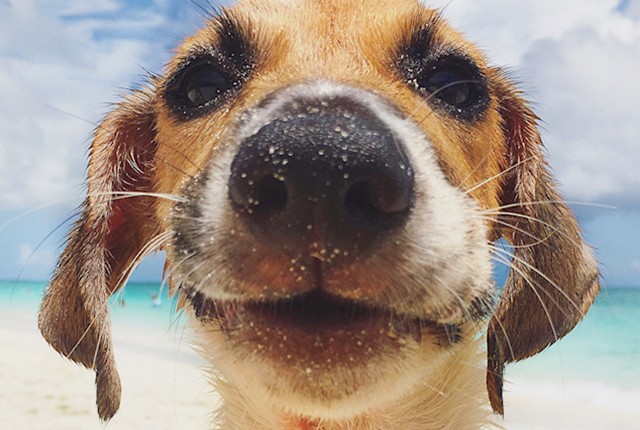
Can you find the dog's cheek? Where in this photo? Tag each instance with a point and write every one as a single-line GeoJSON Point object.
{"type": "Point", "coordinates": [446, 243]}
{"type": "Point", "coordinates": [197, 220]}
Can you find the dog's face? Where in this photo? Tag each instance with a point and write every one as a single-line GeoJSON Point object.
{"type": "Point", "coordinates": [327, 179]}
{"type": "Point", "coordinates": [331, 226]}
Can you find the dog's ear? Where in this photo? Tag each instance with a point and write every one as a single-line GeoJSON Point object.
{"type": "Point", "coordinates": [554, 277]}
{"type": "Point", "coordinates": [104, 244]}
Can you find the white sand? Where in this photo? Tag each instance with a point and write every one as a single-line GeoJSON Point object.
{"type": "Point", "coordinates": [571, 405]}
{"type": "Point", "coordinates": [164, 388]}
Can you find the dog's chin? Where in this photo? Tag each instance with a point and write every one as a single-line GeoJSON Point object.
{"type": "Point", "coordinates": [319, 354]}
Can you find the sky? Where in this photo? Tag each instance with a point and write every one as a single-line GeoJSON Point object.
{"type": "Point", "coordinates": [62, 63]}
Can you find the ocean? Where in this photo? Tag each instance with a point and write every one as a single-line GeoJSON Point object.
{"type": "Point", "coordinates": [135, 303]}
{"type": "Point", "coordinates": [604, 347]}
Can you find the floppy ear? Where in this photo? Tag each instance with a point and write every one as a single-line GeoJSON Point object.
{"type": "Point", "coordinates": [554, 277]}
{"type": "Point", "coordinates": [104, 244]}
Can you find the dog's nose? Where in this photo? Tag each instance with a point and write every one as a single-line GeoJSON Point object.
{"type": "Point", "coordinates": [324, 177]}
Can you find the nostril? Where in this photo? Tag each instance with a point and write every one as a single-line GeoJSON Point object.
{"type": "Point", "coordinates": [271, 195]}
{"type": "Point", "coordinates": [264, 195]}
{"type": "Point", "coordinates": [376, 206]}
{"type": "Point", "coordinates": [360, 204]}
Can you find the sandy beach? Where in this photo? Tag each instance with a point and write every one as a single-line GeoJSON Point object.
{"type": "Point", "coordinates": [570, 405]}
{"type": "Point", "coordinates": [164, 387]}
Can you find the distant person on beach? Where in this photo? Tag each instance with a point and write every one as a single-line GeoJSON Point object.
{"type": "Point", "coordinates": [155, 300]}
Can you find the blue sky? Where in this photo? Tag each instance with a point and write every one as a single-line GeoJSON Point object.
{"type": "Point", "coordinates": [63, 62]}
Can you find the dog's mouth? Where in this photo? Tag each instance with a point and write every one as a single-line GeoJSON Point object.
{"type": "Point", "coordinates": [317, 343]}
{"type": "Point", "coordinates": [318, 313]}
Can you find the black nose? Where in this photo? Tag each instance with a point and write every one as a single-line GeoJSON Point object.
{"type": "Point", "coordinates": [325, 177]}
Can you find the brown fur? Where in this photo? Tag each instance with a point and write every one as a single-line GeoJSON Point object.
{"type": "Point", "coordinates": [140, 147]}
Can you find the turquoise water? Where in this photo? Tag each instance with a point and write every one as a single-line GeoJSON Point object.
{"type": "Point", "coordinates": [605, 347]}
{"type": "Point", "coordinates": [133, 304]}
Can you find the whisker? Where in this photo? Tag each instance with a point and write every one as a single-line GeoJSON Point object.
{"type": "Point", "coordinates": [121, 195]}
{"type": "Point", "coordinates": [78, 201]}
{"type": "Point", "coordinates": [548, 202]}
{"type": "Point", "coordinates": [475, 169]}
{"type": "Point", "coordinates": [440, 307]}
{"type": "Point", "coordinates": [176, 168]}
{"type": "Point", "coordinates": [40, 208]}
{"type": "Point", "coordinates": [152, 245]}
{"type": "Point", "coordinates": [184, 156]}
{"type": "Point", "coordinates": [450, 85]}
{"type": "Point", "coordinates": [155, 244]}
{"type": "Point", "coordinates": [545, 224]}
{"type": "Point", "coordinates": [506, 335]}
{"type": "Point", "coordinates": [37, 248]}
{"type": "Point", "coordinates": [428, 99]}
{"type": "Point", "coordinates": [545, 277]}
{"type": "Point", "coordinates": [206, 13]}
{"type": "Point", "coordinates": [97, 349]}
{"type": "Point", "coordinates": [538, 240]}
{"type": "Point", "coordinates": [79, 341]}
{"type": "Point", "coordinates": [174, 268]}
{"type": "Point", "coordinates": [435, 93]}
{"type": "Point", "coordinates": [535, 291]}
{"type": "Point", "coordinates": [71, 115]}
{"type": "Point", "coordinates": [494, 177]}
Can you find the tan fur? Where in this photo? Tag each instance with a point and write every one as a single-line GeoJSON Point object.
{"type": "Point", "coordinates": [492, 168]}
{"type": "Point", "coordinates": [453, 400]}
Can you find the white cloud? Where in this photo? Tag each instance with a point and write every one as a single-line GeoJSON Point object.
{"type": "Point", "coordinates": [34, 259]}
{"type": "Point", "coordinates": [53, 61]}
{"type": "Point", "coordinates": [506, 29]}
{"type": "Point", "coordinates": [633, 9]}
{"type": "Point", "coordinates": [71, 8]}
{"type": "Point", "coordinates": [587, 87]}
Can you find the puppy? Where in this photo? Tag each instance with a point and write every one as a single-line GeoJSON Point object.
{"type": "Point", "coordinates": [328, 179]}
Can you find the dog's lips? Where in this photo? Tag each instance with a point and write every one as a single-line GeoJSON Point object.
{"type": "Point", "coordinates": [319, 314]}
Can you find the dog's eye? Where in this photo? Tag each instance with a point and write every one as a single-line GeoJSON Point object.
{"type": "Point", "coordinates": [200, 87]}
{"type": "Point", "coordinates": [449, 84]}
{"type": "Point", "coordinates": [205, 83]}
{"type": "Point", "coordinates": [452, 85]}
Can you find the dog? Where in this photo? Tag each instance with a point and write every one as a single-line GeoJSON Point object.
{"type": "Point", "coordinates": [328, 179]}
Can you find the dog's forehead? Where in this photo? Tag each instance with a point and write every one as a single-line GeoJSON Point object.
{"type": "Point", "coordinates": [330, 18]}
{"type": "Point", "coordinates": [329, 38]}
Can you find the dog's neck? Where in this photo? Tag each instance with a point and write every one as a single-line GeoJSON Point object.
{"type": "Point", "coordinates": [454, 398]}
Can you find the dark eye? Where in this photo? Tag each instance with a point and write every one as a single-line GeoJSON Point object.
{"type": "Point", "coordinates": [450, 85]}
{"type": "Point", "coordinates": [453, 85]}
{"type": "Point", "coordinates": [199, 88]}
{"type": "Point", "coordinates": [205, 83]}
